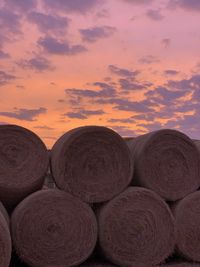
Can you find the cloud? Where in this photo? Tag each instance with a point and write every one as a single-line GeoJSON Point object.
{"type": "Point", "coordinates": [166, 42]}
{"type": "Point", "coordinates": [149, 59]}
{"type": "Point", "coordinates": [164, 96]}
{"type": "Point", "coordinates": [60, 47]}
{"type": "Point", "coordinates": [106, 91]}
{"type": "Point", "coordinates": [154, 14]}
{"type": "Point", "coordinates": [171, 72]}
{"type": "Point", "coordinates": [126, 85]}
{"type": "Point", "coordinates": [126, 120]}
{"type": "Point", "coordinates": [21, 5]}
{"type": "Point", "coordinates": [189, 124]}
{"type": "Point", "coordinates": [75, 115]}
{"type": "Point", "coordinates": [123, 130]}
{"type": "Point", "coordinates": [152, 126]}
{"type": "Point", "coordinates": [44, 127]}
{"type": "Point", "coordinates": [4, 55]}
{"type": "Point", "coordinates": [122, 72]}
{"type": "Point", "coordinates": [24, 114]}
{"type": "Point", "coordinates": [47, 23]}
{"type": "Point", "coordinates": [139, 2]}
{"type": "Point", "coordinates": [37, 63]}
{"type": "Point", "coordinates": [104, 13]}
{"type": "Point", "coordinates": [95, 33]}
{"type": "Point", "coordinates": [145, 116]}
{"type": "Point", "coordinates": [192, 83]}
{"type": "Point", "coordinates": [191, 5]}
{"type": "Point", "coordinates": [6, 78]}
{"type": "Point", "coordinates": [84, 114]}
{"type": "Point", "coordinates": [79, 6]}
{"type": "Point", "coordinates": [136, 106]}
{"type": "Point", "coordinates": [10, 23]}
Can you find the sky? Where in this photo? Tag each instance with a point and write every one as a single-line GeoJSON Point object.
{"type": "Point", "coordinates": [130, 65]}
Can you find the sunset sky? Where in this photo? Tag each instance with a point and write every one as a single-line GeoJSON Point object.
{"type": "Point", "coordinates": [131, 65]}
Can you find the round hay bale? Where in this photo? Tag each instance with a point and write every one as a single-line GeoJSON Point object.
{"type": "Point", "coordinates": [136, 228]}
{"type": "Point", "coordinates": [187, 221]}
{"type": "Point", "coordinates": [23, 163]}
{"type": "Point", "coordinates": [167, 162]}
{"type": "Point", "coordinates": [5, 238]}
{"type": "Point", "coordinates": [92, 163]}
{"type": "Point", "coordinates": [53, 228]}
{"type": "Point", "coordinates": [5, 213]}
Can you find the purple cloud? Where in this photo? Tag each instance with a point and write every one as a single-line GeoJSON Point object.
{"type": "Point", "coordinates": [154, 14]}
{"type": "Point", "coordinates": [186, 84]}
{"type": "Point", "coordinates": [9, 22]}
{"type": "Point", "coordinates": [127, 120]}
{"type": "Point", "coordinates": [21, 5]}
{"type": "Point", "coordinates": [136, 106]}
{"type": "Point", "coordinates": [4, 55]}
{"type": "Point", "coordinates": [166, 42]}
{"type": "Point", "coordinates": [75, 115]}
{"type": "Point", "coordinates": [24, 114]}
{"type": "Point", "coordinates": [95, 33]}
{"type": "Point", "coordinates": [123, 130]}
{"type": "Point", "coordinates": [149, 59]}
{"type": "Point", "coordinates": [139, 2]}
{"type": "Point", "coordinates": [79, 6]}
{"type": "Point", "coordinates": [191, 5]}
{"type": "Point", "coordinates": [104, 13]}
{"type": "Point", "coordinates": [188, 124]}
{"type": "Point", "coordinates": [36, 63]}
{"type": "Point", "coordinates": [126, 85]}
{"type": "Point", "coordinates": [6, 78]}
{"type": "Point", "coordinates": [145, 116]}
{"type": "Point", "coordinates": [44, 127]}
{"type": "Point", "coordinates": [49, 23]}
{"type": "Point", "coordinates": [122, 72]}
{"type": "Point", "coordinates": [106, 91]}
{"type": "Point", "coordinates": [84, 114]}
{"type": "Point", "coordinates": [171, 72]}
{"type": "Point", "coordinates": [60, 47]}
{"type": "Point", "coordinates": [152, 126]}
{"type": "Point", "coordinates": [164, 96]}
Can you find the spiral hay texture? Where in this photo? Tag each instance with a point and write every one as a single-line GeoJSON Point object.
{"type": "Point", "coordinates": [181, 264]}
{"type": "Point", "coordinates": [23, 163]}
{"type": "Point", "coordinates": [166, 161]}
{"type": "Point", "coordinates": [92, 163]}
{"type": "Point", "coordinates": [5, 239]}
{"type": "Point", "coordinates": [136, 228]}
{"type": "Point", "coordinates": [97, 264]}
{"type": "Point", "coordinates": [53, 228]}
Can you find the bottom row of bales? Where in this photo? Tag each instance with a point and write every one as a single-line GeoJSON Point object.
{"type": "Point", "coordinates": [136, 228]}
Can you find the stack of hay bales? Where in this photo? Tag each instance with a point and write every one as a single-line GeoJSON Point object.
{"type": "Point", "coordinates": [108, 201]}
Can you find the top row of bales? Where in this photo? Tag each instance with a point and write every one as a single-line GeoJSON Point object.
{"type": "Point", "coordinates": [95, 163]}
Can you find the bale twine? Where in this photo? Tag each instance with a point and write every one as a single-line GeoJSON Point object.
{"type": "Point", "coordinates": [53, 228]}
{"type": "Point", "coordinates": [187, 222]}
{"type": "Point", "coordinates": [92, 163]}
{"type": "Point", "coordinates": [166, 161]}
{"type": "Point", "coordinates": [5, 238]}
{"type": "Point", "coordinates": [23, 163]}
{"type": "Point", "coordinates": [136, 228]}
